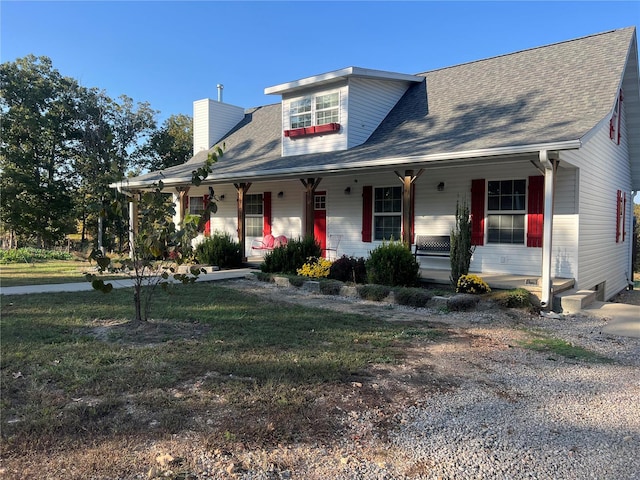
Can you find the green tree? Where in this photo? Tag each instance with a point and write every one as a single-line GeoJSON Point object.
{"type": "Point", "coordinates": [171, 144]}
{"type": "Point", "coordinates": [40, 129]}
{"type": "Point", "coordinates": [113, 137]}
{"type": "Point", "coordinates": [158, 246]}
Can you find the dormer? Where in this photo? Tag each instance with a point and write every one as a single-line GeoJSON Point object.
{"type": "Point", "coordinates": [337, 110]}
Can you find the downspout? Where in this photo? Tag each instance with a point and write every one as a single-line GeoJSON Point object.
{"type": "Point", "coordinates": [550, 166]}
{"type": "Point", "coordinates": [632, 242]}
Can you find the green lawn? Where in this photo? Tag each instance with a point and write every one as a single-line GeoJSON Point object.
{"type": "Point", "coordinates": [73, 368]}
{"type": "Point", "coordinates": [40, 273]}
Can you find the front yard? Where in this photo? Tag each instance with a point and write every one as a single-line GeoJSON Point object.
{"type": "Point", "coordinates": [243, 379]}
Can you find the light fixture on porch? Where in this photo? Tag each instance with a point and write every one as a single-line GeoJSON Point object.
{"type": "Point", "coordinates": [347, 191]}
{"type": "Point", "coordinates": [441, 186]}
{"type": "Point", "coordinates": [222, 197]}
{"type": "Point", "coordinates": [280, 194]}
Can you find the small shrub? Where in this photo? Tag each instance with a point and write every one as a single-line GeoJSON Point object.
{"type": "Point", "coordinates": [393, 264]}
{"type": "Point", "coordinates": [349, 269]}
{"type": "Point", "coordinates": [296, 281]}
{"type": "Point", "coordinates": [472, 284]}
{"type": "Point", "coordinates": [462, 302]}
{"type": "Point", "coordinates": [330, 287]}
{"type": "Point", "coordinates": [412, 297]}
{"type": "Point", "coordinates": [516, 298]}
{"type": "Point", "coordinates": [264, 277]}
{"type": "Point", "coordinates": [374, 292]}
{"type": "Point", "coordinates": [30, 255]}
{"type": "Point", "coordinates": [315, 268]}
{"type": "Point", "coordinates": [290, 257]}
{"type": "Point", "coordinates": [219, 250]}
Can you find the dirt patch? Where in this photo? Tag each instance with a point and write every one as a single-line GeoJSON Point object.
{"type": "Point", "coordinates": [146, 333]}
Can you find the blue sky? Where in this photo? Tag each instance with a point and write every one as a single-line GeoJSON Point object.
{"type": "Point", "coordinates": [171, 53]}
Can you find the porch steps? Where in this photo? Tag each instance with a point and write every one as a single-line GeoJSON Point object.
{"type": "Point", "coordinates": [572, 301]}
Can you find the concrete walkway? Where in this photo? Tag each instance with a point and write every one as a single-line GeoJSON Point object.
{"type": "Point", "coordinates": [117, 283]}
{"type": "Point", "coordinates": [624, 319]}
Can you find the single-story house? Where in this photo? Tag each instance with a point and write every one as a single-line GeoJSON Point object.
{"type": "Point", "coordinates": [543, 145]}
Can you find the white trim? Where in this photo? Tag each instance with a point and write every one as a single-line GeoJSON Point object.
{"type": "Point", "coordinates": [335, 75]}
{"type": "Point", "coordinates": [345, 168]}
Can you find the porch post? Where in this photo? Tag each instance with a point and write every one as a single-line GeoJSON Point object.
{"type": "Point", "coordinates": [408, 192]}
{"type": "Point", "coordinates": [182, 201]}
{"type": "Point", "coordinates": [310, 184]}
{"type": "Point", "coordinates": [242, 189]}
{"type": "Point", "coordinates": [133, 223]}
{"type": "Point", "coordinates": [550, 167]}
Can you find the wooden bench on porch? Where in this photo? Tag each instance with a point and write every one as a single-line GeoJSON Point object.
{"type": "Point", "coordinates": [432, 246]}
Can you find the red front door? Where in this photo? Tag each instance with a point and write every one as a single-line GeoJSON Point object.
{"type": "Point", "coordinates": [320, 220]}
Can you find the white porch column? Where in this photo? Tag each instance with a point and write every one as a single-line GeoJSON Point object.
{"type": "Point", "coordinates": [133, 223]}
{"type": "Point", "coordinates": [550, 167]}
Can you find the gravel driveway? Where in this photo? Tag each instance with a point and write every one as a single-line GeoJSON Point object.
{"type": "Point", "coordinates": [481, 407]}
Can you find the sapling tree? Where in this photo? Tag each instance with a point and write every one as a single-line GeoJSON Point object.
{"type": "Point", "coordinates": [159, 246]}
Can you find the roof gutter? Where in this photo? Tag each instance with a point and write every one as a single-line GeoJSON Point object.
{"type": "Point", "coordinates": [365, 164]}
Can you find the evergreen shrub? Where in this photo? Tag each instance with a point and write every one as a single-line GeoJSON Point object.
{"type": "Point", "coordinates": [374, 292]}
{"type": "Point", "coordinates": [516, 298]}
{"type": "Point", "coordinates": [219, 250]}
{"type": "Point", "coordinates": [412, 297]}
{"type": "Point", "coordinates": [292, 256]}
{"type": "Point", "coordinates": [393, 264]}
{"type": "Point", "coordinates": [330, 287]}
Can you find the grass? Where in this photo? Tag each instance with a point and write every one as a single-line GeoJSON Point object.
{"type": "Point", "coordinates": [39, 273]}
{"type": "Point", "coordinates": [555, 346]}
{"type": "Point", "coordinates": [47, 272]}
{"type": "Point", "coordinates": [74, 368]}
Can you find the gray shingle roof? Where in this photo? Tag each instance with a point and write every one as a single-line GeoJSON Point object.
{"type": "Point", "coordinates": [544, 95]}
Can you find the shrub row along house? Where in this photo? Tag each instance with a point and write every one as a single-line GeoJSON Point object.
{"type": "Point", "coordinates": [542, 144]}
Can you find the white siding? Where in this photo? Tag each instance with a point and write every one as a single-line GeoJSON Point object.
{"type": "Point", "coordinates": [369, 103]}
{"type": "Point", "coordinates": [435, 215]}
{"type": "Point", "coordinates": [330, 142]}
{"type": "Point", "coordinates": [211, 121]}
{"type": "Point", "coordinates": [286, 212]}
{"type": "Point", "coordinates": [604, 169]}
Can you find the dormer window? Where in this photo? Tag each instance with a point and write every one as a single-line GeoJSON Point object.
{"type": "Point", "coordinates": [312, 111]}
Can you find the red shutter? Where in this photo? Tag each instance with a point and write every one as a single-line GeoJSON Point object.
{"type": "Point", "coordinates": [535, 211]}
{"type": "Point", "coordinates": [367, 213]}
{"type": "Point", "coordinates": [266, 213]}
{"type": "Point", "coordinates": [618, 211]}
{"type": "Point", "coordinates": [477, 211]}
{"type": "Point", "coordinates": [207, 224]}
